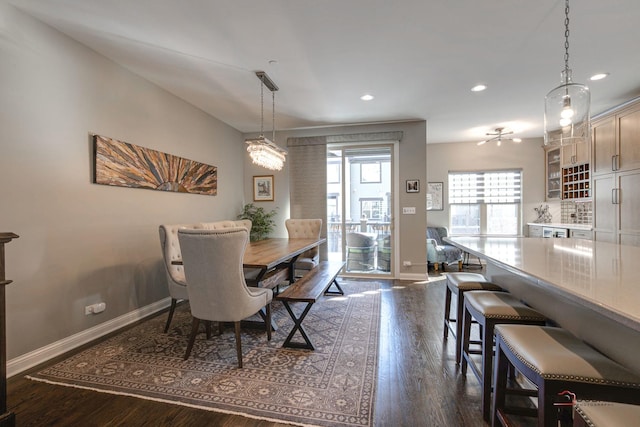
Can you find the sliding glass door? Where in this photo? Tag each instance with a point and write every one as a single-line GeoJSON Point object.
{"type": "Point", "coordinates": [360, 206]}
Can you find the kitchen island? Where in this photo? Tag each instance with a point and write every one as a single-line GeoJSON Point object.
{"type": "Point", "coordinates": [590, 288]}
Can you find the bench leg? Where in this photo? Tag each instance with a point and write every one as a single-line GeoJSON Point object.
{"type": "Point", "coordinates": [298, 327]}
{"type": "Point", "coordinates": [338, 292]}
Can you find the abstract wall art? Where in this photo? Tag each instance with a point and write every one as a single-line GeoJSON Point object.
{"type": "Point", "coordinates": [122, 164]}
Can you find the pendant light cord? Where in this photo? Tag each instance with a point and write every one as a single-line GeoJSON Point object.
{"type": "Point", "coordinates": [566, 36]}
{"type": "Point", "coordinates": [262, 106]}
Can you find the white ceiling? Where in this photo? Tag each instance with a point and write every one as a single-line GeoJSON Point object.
{"type": "Point", "coordinates": [419, 58]}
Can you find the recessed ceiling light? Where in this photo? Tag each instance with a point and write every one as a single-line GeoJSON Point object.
{"type": "Point", "coordinates": [366, 97]}
{"type": "Point", "coordinates": [598, 76]}
{"type": "Point", "coordinates": [478, 88]}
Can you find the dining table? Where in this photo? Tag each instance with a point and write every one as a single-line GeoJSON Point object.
{"type": "Point", "coordinates": [275, 258]}
{"type": "Point", "coordinates": [274, 253]}
{"type": "Point", "coordinates": [590, 288]}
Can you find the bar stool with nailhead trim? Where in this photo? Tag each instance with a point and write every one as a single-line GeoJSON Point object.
{"type": "Point", "coordinates": [554, 361]}
{"type": "Point", "coordinates": [489, 309]}
{"type": "Point", "coordinates": [458, 284]}
{"type": "Point", "coordinates": [606, 414]}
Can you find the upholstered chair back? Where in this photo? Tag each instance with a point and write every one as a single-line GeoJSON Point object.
{"type": "Point", "coordinates": [305, 229]}
{"type": "Point", "coordinates": [213, 268]}
{"type": "Point", "coordinates": [171, 247]}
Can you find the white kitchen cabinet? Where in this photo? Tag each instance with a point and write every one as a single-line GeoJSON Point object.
{"type": "Point", "coordinates": [535, 230]}
{"type": "Point", "coordinates": [575, 154]}
{"type": "Point", "coordinates": [616, 176]}
{"type": "Point", "coordinates": [581, 234]}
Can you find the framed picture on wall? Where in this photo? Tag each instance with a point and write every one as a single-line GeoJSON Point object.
{"type": "Point", "coordinates": [413, 186]}
{"type": "Point", "coordinates": [263, 188]}
{"type": "Point", "coordinates": [434, 196]}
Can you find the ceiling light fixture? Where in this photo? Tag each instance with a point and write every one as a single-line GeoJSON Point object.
{"type": "Point", "coordinates": [264, 152]}
{"type": "Point", "coordinates": [366, 97]}
{"type": "Point", "coordinates": [498, 136]}
{"type": "Point", "coordinates": [598, 76]}
{"type": "Point", "coordinates": [566, 108]}
{"type": "Point", "coordinates": [478, 88]}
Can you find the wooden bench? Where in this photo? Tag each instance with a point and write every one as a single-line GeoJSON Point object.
{"type": "Point", "coordinates": [309, 289]}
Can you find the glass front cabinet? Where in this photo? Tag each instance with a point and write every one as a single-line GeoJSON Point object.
{"type": "Point", "coordinates": [553, 173]}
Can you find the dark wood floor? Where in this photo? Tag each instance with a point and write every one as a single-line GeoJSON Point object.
{"type": "Point", "coordinates": [418, 384]}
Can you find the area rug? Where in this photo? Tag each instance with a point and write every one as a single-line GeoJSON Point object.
{"type": "Point", "coordinates": [334, 385]}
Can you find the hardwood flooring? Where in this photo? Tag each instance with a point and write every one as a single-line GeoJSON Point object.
{"type": "Point", "coordinates": [418, 383]}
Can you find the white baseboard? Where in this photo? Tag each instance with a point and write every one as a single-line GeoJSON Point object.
{"type": "Point", "coordinates": [413, 276]}
{"type": "Point", "coordinates": [41, 355]}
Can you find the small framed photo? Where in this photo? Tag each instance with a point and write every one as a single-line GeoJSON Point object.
{"type": "Point", "coordinates": [413, 186]}
{"type": "Point", "coordinates": [263, 188]}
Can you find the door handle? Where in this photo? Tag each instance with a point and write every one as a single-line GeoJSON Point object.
{"type": "Point", "coordinates": [615, 196]}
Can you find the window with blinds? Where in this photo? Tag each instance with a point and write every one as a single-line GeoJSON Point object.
{"type": "Point", "coordinates": [485, 187]}
{"type": "Point", "coordinates": [485, 202]}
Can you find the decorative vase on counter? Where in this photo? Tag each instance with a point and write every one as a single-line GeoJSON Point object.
{"type": "Point", "coordinates": [544, 216]}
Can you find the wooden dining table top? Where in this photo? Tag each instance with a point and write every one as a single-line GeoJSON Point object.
{"type": "Point", "coordinates": [271, 252]}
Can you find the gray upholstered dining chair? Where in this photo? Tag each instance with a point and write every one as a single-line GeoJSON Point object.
{"type": "Point", "coordinates": [217, 289]}
{"type": "Point", "coordinates": [305, 229]}
{"type": "Point", "coordinates": [175, 273]}
{"type": "Point", "coordinates": [171, 252]}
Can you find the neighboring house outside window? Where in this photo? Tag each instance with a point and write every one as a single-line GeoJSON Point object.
{"type": "Point", "coordinates": [485, 203]}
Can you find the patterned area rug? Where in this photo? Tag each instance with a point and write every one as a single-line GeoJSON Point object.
{"type": "Point", "coordinates": [331, 386]}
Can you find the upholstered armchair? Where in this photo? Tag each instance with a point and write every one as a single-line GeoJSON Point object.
{"type": "Point", "coordinates": [361, 252]}
{"type": "Point", "coordinates": [384, 253]}
{"type": "Point", "coordinates": [305, 229]}
{"type": "Point", "coordinates": [440, 252]}
{"type": "Point", "coordinates": [175, 273]}
{"type": "Point", "coordinates": [217, 289]}
{"type": "Point", "coordinates": [171, 252]}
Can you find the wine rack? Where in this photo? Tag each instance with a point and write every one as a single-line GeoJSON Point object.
{"type": "Point", "coordinates": [576, 182]}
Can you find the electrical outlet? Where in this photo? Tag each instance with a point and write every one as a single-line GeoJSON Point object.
{"type": "Point", "coordinates": [406, 263]}
{"type": "Point", "coordinates": [95, 308]}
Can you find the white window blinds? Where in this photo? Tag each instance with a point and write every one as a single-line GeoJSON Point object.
{"type": "Point", "coordinates": [485, 187]}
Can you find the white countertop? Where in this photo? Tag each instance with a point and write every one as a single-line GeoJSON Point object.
{"type": "Point", "coordinates": [587, 227]}
{"type": "Point", "coordinates": [602, 276]}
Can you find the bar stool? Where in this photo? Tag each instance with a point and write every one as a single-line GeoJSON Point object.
{"type": "Point", "coordinates": [458, 284]}
{"type": "Point", "coordinates": [488, 309]}
{"type": "Point", "coordinates": [606, 414]}
{"type": "Point", "coordinates": [554, 361]}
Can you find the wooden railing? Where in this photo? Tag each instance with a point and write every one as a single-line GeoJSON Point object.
{"type": "Point", "coordinates": [7, 419]}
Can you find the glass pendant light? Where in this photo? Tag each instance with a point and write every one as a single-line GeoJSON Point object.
{"type": "Point", "coordinates": [264, 152]}
{"type": "Point", "coordinates": [566, 108]}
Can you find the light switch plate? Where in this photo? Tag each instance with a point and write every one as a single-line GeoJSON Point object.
{"type": "Point", "coordinates": [409, 210]}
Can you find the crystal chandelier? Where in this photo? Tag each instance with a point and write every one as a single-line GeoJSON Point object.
{"type": "Point", "coordinates": [264, 152]}
{"type": "Point", "coordinates": [566, 108]}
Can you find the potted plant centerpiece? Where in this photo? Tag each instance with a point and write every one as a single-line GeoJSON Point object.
{"type": "Point", "coordinates": [262, 222]}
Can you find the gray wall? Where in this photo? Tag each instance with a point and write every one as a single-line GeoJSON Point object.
{"type": "Point", "coordinates": [80, 242]}
{"type": "Point", "coordinates": [468, 156]}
